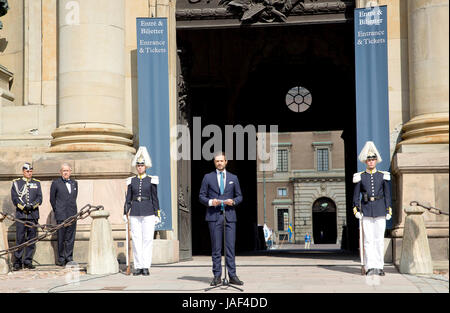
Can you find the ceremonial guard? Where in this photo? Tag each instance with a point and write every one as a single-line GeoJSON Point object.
{"type": "Point", "coordinates": [142, 208]}
{"type": "Point", "coordinates": [26, 194]}
{"type": "Point", "coordinates": [372, 204]}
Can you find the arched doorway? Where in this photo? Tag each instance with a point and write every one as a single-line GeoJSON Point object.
{"type": "Point", "coordinates": [324, 221]}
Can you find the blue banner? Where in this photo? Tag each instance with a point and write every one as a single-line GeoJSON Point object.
{"type": "Point", "coordinates": [153, 106]}
{"type": "Point", "coordinates": [371, 70]}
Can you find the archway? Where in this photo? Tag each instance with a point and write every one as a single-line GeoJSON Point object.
{"type": "Point", "coordinates": [324, 221]}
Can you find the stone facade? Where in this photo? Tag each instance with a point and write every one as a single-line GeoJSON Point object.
{"type": "Point", "coordinates": [68, 85]}
{"type": "Point", "coordinates": [65, 90]}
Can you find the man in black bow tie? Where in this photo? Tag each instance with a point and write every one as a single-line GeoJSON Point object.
{"type": "Point", "coordinates": [63, 198]}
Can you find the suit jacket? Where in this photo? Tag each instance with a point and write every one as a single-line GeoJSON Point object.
{"type": "Point", "coordinates": [30, 194]}
{"type": "Point", "coordinates": [372, 185]}
{"type": "Point", "coordinates": [64, 204]}
{"type": "Point", "coordinates": [210, 190]}
{"type": "Point", "coordinates": [146, 188]}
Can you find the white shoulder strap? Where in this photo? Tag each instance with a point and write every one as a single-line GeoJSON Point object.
{"type": "Point", "coordinates": [154, 180]}
{"type": "Point", "coordinates": [357, 177]}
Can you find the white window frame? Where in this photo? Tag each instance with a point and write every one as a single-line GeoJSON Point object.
{"type": "Point", "coordinates": [323, 145]}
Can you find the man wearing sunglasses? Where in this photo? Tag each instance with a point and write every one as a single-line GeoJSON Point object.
{"type": "Point", "coordinates": [26, 194]}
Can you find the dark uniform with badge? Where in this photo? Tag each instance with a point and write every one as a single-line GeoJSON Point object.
{"type": "Point", "coordinates": [375, 190]}
{"type": "Point", "coordinates": [372, 205]}
{"type": "Point", "coordinates": [142, 196]}
{"type": "Point", "coordinates": [26, 194]}
{"type": "Point", "coordinates": [142, 205]}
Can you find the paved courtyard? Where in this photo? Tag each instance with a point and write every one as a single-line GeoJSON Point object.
{"type": "Point", "coordinates": [290, 271]}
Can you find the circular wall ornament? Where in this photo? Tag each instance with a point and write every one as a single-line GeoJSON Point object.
{"type": "Point", "coordinates": [298, 99]}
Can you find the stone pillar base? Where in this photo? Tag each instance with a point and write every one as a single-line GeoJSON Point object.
{"type": "Point", "coordinates": [90, 137]}
{"type": "Point", "coordinates": [421, 174]}
{"type": "Point", "coordinates": [426, 129]}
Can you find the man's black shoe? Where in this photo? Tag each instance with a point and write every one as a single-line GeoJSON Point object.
{"type": "Point", "coordinates": [29, 266]}
{"type": "Point", "coordinates": [236, 281]}
{"type": "Point", "coordinates": [216, 281]}
{"type": "Point", "coordinates": [60, 263]}
{"type": "Point", "coordinates": [145, 272]}
{"type": "Point", "coordinates": [137, 272]}
{"type": "Point", "coordinates": [381, 272]}
{"type": "Point", "coordinates": [17, 267]}
{"type": "Point", "coordinates": [371, 271]}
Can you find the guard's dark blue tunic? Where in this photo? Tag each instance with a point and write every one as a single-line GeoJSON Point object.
{"type": "Point", "coordinates": [142, 196]}
{"type": "Point", "coordinates": [374, 191]}
{"type": "Point", "coordinates": [26, 192]}
{"type": "Point", "coordinates": [27, 197]}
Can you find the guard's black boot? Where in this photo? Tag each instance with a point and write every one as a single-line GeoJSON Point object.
{"type": "Point", "coordinates": [29, 266]}
{"type": "Point", "coordinates": [370, 272]}
{"type": "Point", "coordinates": [17, 267]}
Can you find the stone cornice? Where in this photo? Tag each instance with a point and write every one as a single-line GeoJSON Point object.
{"type": "Point", "coordinates": [200, 9]}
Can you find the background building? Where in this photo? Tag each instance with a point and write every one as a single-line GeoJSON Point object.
{"type": "Point", "coordinates": [308, 186]}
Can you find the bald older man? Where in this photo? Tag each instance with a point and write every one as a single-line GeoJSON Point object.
{"type": "Point", "coordinates": [63, 198]}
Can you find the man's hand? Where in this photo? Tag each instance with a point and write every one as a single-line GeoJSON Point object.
{"type": "Point", "coordinates": [215, 202]}
{"type": "Point", "coordinates": [229, 202]}
{"type": "Point", "coordinates": [389, 214]}
{"type": "Point", "coordinates": [28, 208]}
{"type": "Point", "coordinates": [358, 214]}
{"type": "Point", "coordinates": [125, 219]}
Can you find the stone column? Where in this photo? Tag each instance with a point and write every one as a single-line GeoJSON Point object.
{"type": "Point", "coordinates": [91, 77]}
{"type": "Point", "coordinates": [420, 164]}
{"type": "Point", "coordinates": [428, 72]}
{"type": "Point", "coordinates": [102, 254]}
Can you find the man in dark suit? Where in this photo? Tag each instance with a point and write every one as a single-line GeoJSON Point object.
{"type": "Point", "coordinates": [63, 198]}
{"type": "Point", "coordinates": [26, 195]}
{"type": "Point", "coordinates": [220, 192]}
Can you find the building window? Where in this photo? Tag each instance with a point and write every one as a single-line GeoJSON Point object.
{"type": "Point", "coordinates": [298, 99]}
{"type": "Point", "coordinates": [282, 160]}
{"type": "Point", "coordinates": [282, 219]}
{"type": "Point", "coordinates": [282, 192]}
{"type": "Point", "coordinates": [322, 160]}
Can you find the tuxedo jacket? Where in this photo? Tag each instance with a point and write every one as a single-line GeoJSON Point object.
{"type": "Point", "coordinates": [210, 190]}
{"type": "Point", "coordinates": [64, 204]}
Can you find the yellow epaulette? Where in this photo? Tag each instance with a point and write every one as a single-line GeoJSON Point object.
{"type": "Point", "coordinates": [36, 179]}
{"type": "Point", "coordinates": [17, 179]}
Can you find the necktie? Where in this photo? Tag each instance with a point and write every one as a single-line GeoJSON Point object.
{"type": "Point", "coordinates": [221, 183]}
{"type": "Point", "coordinates": [221, 186]}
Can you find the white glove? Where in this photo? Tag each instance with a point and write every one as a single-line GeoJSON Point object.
{"type": "Point", "coordinates": [157, 220]}
{"type": "Point", "coordinates": [388, 217]}
{"type": "Point", "coordinates": [125, 219]}
{"type": "Point", "coordinates": [358, 215]}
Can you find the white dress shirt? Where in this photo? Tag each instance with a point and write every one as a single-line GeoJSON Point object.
{"type": "Point", "coordinates": [69, 188]}
{"type": "Point", "coordinates": [218, 181]}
